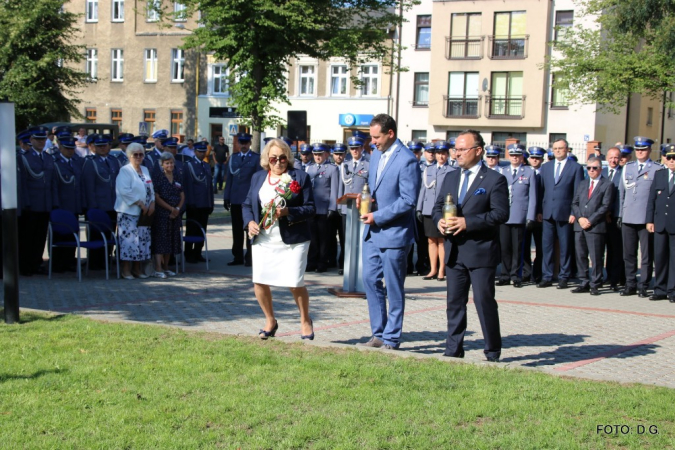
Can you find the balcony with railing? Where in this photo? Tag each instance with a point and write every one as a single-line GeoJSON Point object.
{"type": "Point", "coordinates": [470, 47]}
{"type": "Point", "coordinates": [461, 107]}
{"type": "Point", "coordinates": [514, 47]}
{"type": "Point", "coordinates": [500, 107]}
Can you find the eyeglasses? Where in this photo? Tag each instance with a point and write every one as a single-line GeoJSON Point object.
{"type": "Point", "coordinates": [281, 159]}
{"type": "Point", "coordinates": [461, 150]}
{"type": "Point", "coordinates": [670, 158]}
{"type": "Point", "coordinates": [592, 168]}
{"type": "Point", "coordinates": [137, 155]}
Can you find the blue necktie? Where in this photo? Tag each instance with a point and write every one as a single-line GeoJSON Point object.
{"type": "Point", "coordinates": [465, 186]}
{"type": "Point", "coordinates": [380, 167]}
{"type": "Point", "coordinates": [557, 171]}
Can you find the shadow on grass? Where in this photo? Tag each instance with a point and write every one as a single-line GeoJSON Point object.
{"type": "Point", "coordinates": [7, 377]}
{"type": "Point", "coordinates": [28, 317]}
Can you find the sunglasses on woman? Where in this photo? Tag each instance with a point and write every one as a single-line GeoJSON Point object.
{"type": "Point", "coordinates": [281, 159]}
{"type": "Point", "coordinates": [137, 155]}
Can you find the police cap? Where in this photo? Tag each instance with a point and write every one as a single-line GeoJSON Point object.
{"type": "Point", "coordinates": [320, 147]}
{"type": "Point", "coordinates": [492, 150]}
{"type": "Point", "coordinates": [642, 142]}
{"type": "Point", "coordinates": [451, 141]}
{"type": "Point", "coordinates": [126, 138]}
{"type": "Point", "coordinates": [101, 140]}
{"type": "Point", "coordinates": [416, 146]}
{"type": "Point", "coordinates": [67, 142]}
{"type": "Point", "coordinates": [360, 134]}
{"type": "Point", "coordinates": [536, 152]}
{"type": "Point", "coordinates": [200, 146]}
{"type": "Point", "coordinates": [573, 158]}
{"type": "Point", "coordinates": [161, 135]}
{"type": "Point", "coordinates": [516, 149]}
{"type": "Point", "coordinates": [39, 132]}
{"type": "Point", "coordinates": [355, 141]}
{"type": "Point", "coordinates": [442, 146]}
{"type": "Point", "coordinates": [170, 142]}
{"type": "Point", "coordinates": [430, 147]}
{"type": "Point", "coordinates": [23, 136]}
{"type": "Point", "coordinates": [339, 148]}
{"type": "Point", "coordinates": [625, 149]}
{"type": "Point", "coordinates": [91, 138]}
{"type": "Point", "coordinates": [243, 137]}
{"type": "Point", "coordinates": [669, 150]}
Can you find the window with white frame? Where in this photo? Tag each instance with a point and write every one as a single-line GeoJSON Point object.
{"type": "Point", "coordinates": [179, 12]}
{"type": "Point", "coordinates": [150, 64]}
{"type": "Point", "coordinates": [369, 80]}
{"type": "Point", "coordinates": [177, 65]}
{"type": "Point", "coordinates": [92, 11]}
{"type": "Point", "coordinates": [338, 81]}
{"type": "Point", "coordinates": [153, 10]}
{"type": "Point", "coordinates": [220, 80]}
{"type": "Point", "coordinates": [118, 10]}
{"type": "Point", "coordinates": [117, 66]}
{"type": "Point", "coordinates": [307, 80]}
{"type": "Point", "coordinates": [92, 64]}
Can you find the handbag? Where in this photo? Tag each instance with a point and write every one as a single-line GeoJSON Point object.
{"type": "Point", "coordinates": [145, 220]}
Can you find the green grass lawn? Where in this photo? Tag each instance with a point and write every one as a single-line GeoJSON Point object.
{"type": "Point", "coordinates": [70, 382]}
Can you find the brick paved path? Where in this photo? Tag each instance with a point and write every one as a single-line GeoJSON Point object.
{"type": "Point", "coordinates": [607, 337]}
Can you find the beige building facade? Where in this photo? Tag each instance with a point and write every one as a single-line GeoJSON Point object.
{"type": "Point", "coordinates": [137, 70]}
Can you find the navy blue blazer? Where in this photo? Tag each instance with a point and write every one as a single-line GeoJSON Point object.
{"type": "Point", "coordinates": [485, 208]}
{"type": "Point", "coordinates": [660, 199]}
{"type": "Point", "coordinates": [557, 198]}
{"type": "Point", "coordinates": [98, 182]}
{"type": "Point", "coordinates": [615, 209]}
{"type": "Point", "coordinates": [294, 227]}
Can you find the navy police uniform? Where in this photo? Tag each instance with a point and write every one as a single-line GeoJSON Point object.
{"type": "Point", "coordinates": [534, 232]}
{"type": "Point", "coordinates": [199, 199]}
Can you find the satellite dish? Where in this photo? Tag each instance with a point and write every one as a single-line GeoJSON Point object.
{"type": "Point", "coordinates": [485, 84]}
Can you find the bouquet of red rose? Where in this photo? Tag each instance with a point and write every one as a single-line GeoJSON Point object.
{"type": "Point", "coordinates": [284, 190]}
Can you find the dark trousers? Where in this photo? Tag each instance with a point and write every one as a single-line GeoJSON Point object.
{"type": "Point", "coordinates": [664, 262]}
{"type": "Point", "coordinates": [318, 246]}
{"type": "Point", "coordinates": [201, 216]}
{"type": "Point", "coordinates": [33, 226]}
{"type": "Point", "coordinates": [615, 270]}
{"type": "Point", "coordinates": [422, 264]}
{"type": "Point", "coordinates": [593, 245]}
{"type": "Point", "coordinates": [238, 236]}
{"type": "Point", "coordinates": [482, 281]}
{"type": "Point", "coordinates": [563, 231]}
{"type": "Point", "coordinates": [97, 256]}
{"type": "Point", "coordinates": [335, 255]}
{"type": "Point", "coordinates": [634, 235]}
{"type": "Point", "coordinates": [512, 242]}
{"type": "Point", "coordinates": [535, 267]}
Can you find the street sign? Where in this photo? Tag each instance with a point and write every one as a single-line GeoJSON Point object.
{"type": "Point", "coordinates": [586, 138]}
{"type": "Point", "coordinates": [143, 128]}
{"type": "Point", "coordinates": [234, 129]}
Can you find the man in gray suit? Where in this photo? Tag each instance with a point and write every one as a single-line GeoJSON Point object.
{"type": "Point", "coordinates": [637, 180]}
{"type": "Point", "coordinates": [592, 200]}
{"type": "Point", "coordinates": [522, 184]}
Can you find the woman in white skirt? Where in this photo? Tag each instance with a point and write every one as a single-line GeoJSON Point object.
{"type": "Point", "coordinates": [280, 233]}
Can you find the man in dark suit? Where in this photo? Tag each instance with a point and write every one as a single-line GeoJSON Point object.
{"type": "Point", "coordinates": [614, 262]}
{"type": "Point", "coordinates": [559, 179]}
{"type": "Point", "coordinates": [592, 200]}
{"type": "Point", "coordinates": [472, 243]}
{"type": "Point", "coordinates": [661, 198]}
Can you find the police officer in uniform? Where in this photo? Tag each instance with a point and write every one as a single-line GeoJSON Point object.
{"type": "Point", "coordinates": [199, 199]}
{"type": "Point", "coordinates": [306, 158]}
{"type": "Point", "coordinates": [536, 159]}
{"type": "Point", "coordinates": [614, 264]}
{"type": "Point", "coordinates": [661, 222]}
{"type": "Point", "coordinates": [239, 171]}
{"type": "Point", "coordinates": [338, 152]}
{"type": "Point", "coordinates": [452, 162]}
{"type": "Point", "coordinates": [124, 140]}
{"type": "Point", "coordinates": [99, 174]}
{"type": "Point", "coordinates": [422, 264]}
{"type": "Point", "coordinates": [637, 180]}
{"type": "Point", "coordinates": [626, 154]}
{"type": "Point", "coordinates": [68, 171]}
{"type": "Point", "coordinates": [171, 146]}
{"type": "Point", "coordinates": [522, 184]}
{"type": "Point", "coordinates": [492, 153]}
{"type": "Point", "coordinates": [151, 160]}
{"type": "Point", "coordinates": [37, 169]}
{"type": "Point", "coordinates": [324, 177]}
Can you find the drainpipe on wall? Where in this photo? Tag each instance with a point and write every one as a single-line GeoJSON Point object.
{"type": "Point", "coordinates": [398, 63]}
{"type": "Point", "coordinates": [625, 137]}
{"type": "Point", "coordinates": [391, 78]}
{"type": "Point", "coordinates": [663, 120]}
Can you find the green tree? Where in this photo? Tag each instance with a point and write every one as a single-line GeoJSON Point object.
{"type": "Point", "coordinates": [258, 39]}
{"type": "Point", "coordinates": [37, 60]}
{"type": "Point", "coordinates": [627, 47]}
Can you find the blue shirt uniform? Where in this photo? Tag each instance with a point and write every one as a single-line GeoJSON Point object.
{"type": "Point", "coordinates": [432, 180]}
{"type": "Point", "coordinates": [634, 190]}
{"type": "Point", "coordinates": [350, 182]}
{"type": "Point", "coordinates": [325, 186]}
{"type": "Point", "coordinates": [522, 194]}
{"type": "Point", "coordinates": [240, 169]}
{"type": "Point", "coordinates": [198, 184]}
{"type": "Point", "coordinates": [69, 179]}
{"type": "Point", "coordinates": [37, 170]}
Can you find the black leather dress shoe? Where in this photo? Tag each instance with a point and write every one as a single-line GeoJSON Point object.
{"type": "Point", "coordinates": [581, 289]}
{"type": "Point", "coordinates": [460, 355]}
{"type": "Point", "coordinates": [234, 262]}
{"type": "Point", "coordinates": [503, 282]}
{"type": "Point", "coordinates": [671, 299]}
{"type": "Point", "coordinates": [492, 358]}
{"type": "Point", "coordinates": [628, 291]}
{"type": "Point", "coordinates": [642, 293]}
{"type": "Point", "coordinates": [545, 284]}
{"type": "Point", "coordinates": [614, 288]}
{"type": "Point", "coordinates": [655, 297]}
{"type": "Point", "coordinates": [595, 291]}
{"type": "Point", "coordinates": [248, 264]}
{"type": "Point", "coordinates": [562, 284]}
{"type": "Point", "coordinates": [341, 272]}
{"type": "Point", "coordinates": [517, 284]}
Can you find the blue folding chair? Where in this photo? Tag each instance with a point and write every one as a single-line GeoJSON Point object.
{"type": "Point", "coordinates": [194, 240]}
{"type": "Point", "coordinates": [99, 221]}
{"type": "Point", "coordinates": [64, 223]}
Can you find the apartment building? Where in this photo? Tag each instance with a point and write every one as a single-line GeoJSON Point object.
{"type": "Point", "coordinates": [479, 65]}
{"type": "Point", "coordinates": [138, 72]}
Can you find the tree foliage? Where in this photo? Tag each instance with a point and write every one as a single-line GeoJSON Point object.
{"type": "Point", "coordinates": [629, 47]}
{"type": "Point", "coordinates": [258, 39]}
{"type": "Point", "coordinates": [36, 60]}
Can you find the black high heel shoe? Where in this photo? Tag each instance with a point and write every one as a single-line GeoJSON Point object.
{"type": "Point", "coordinates": [430, 277]}
{"type": "Point", "coordinates": [309, 336]}
{"type": "Point", "coordinates": [262, 334]}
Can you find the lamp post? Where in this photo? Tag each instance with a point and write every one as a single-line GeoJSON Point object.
{"type": "Point", "coordinates": [8, 184]}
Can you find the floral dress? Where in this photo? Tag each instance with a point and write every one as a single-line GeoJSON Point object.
{"type": "Point", "coordinates": [135, 240]}
{"type": "Point", "coordinates": [166, 237]}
